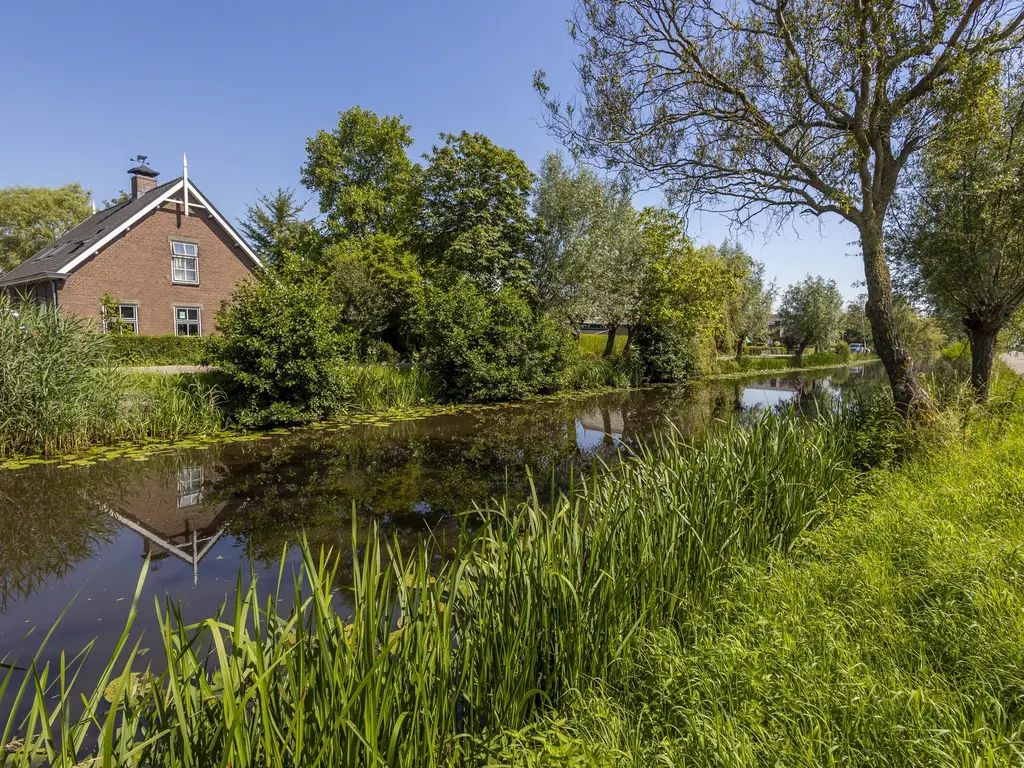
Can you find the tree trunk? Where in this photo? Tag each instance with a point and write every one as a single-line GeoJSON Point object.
{"type": "Point", "coordinates": [907, 392]}
{"type": "Point", "coordinates": [739, 349]}
{"type": "Point", "coordinates": [801, 347]}
{"type": "Point", "coordinates": [609, 347]}
{"type": "Point", "coordinates": [629, 338]}
{"type": "Point", "coordinates": [983, 352]}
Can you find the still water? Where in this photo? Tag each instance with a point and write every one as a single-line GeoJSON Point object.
{"type": "Point", "coordinates": [75, 539]}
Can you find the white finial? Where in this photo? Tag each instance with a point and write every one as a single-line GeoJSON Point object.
{"type": "Point", "coordinates": [184, 175]}
{"type": "Point", "coordinates": [92, 202]}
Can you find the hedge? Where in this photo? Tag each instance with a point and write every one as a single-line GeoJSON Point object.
{"type": "Point", "coordinates": [129, 349]}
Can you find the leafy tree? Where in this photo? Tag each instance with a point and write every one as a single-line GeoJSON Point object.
{"type": "Point", "coordinates": [856, 328]}
{"type": "Point", "coordinates": [924, 335]}
{"type": "Point", "coordinates": [779, 107]}
{"type": "Point", "coordinates": [475, 218]}
{"type": "Point", "coordinates": [749, 308]}
{"type": "Point", "coordinates": [586, 226]}
{"type": "Point", "coordinates": [273, 226]}
{"type": "Point", "coordinates": [378, 288]}
{"type": "Point", "coordinates": [964, 243]}
{"type": "Point", "coordinates": [120, 198]}
{"type": "Point", "coordinates": [491, 345]}
{"type": "Point", "coordinates": [684, 291]}
{"type": "Point", "coordinates": [365, 179]}
{"type": "Point", "coordinates": [33, 217]}
{"type": "Point", "coordinates": [280, 346]}
{"type": "Point", "coordinates": [812, 314]}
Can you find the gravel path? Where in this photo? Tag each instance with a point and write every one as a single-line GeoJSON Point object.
{"type": "Point", "coordinates": [168, 370]}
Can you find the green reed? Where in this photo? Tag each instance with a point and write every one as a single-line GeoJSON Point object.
{"type": "Point", "coordinates": [437, 661]}
{"type": "Point", "coordinates": [387, 387]}
{"type": "Point", "coordinates": [59, 393]}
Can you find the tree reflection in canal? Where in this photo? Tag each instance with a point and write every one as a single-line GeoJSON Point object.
{"type": "Point", "coordinates": [204, 514]}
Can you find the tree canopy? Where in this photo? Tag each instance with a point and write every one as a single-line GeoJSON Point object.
{"type": "Point", "coordinates": [778, 107]}
{"type": "Point", "coordinates": [812, 315]}
{"type": "Point", "coordinates": [962, 246]}
{"type": "Point", "coordinates": [33, 217]}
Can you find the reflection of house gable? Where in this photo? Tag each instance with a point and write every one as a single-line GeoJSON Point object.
{"type": "Point", "coordinates": [172, 517]}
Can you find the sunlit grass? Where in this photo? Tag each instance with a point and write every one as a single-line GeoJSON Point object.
{"type": "Point", "coordinates": [544, 599]}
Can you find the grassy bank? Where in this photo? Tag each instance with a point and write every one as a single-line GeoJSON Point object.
{"type": "Point", "coordinates": [891, 635]}
{"type": "Point", "coordinates": [543, 600]}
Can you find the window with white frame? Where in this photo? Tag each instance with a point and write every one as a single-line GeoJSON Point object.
{"type": "Point", "coordinates": [129, 315]}
{"type": "Point", "coordinates": [188, 321]}
{"type": "Point", "coordinates": [184, 262]}
{"type": "Point", "coordinates": [190, 486]}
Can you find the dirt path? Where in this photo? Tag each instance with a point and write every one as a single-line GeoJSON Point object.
{"type": "Point", "coordinates": [1015, 360]}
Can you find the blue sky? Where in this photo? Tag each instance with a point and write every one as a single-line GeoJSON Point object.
{"type": "Point", "coordinates": [239, 86]}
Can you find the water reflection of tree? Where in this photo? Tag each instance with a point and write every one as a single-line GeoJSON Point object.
{"type": "Point", "coordinates": [51, 520]}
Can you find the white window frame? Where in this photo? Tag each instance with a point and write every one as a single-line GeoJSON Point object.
{"type": "Point", "coordinates": [134, 323]}
{"type": "Point", "coordinates": [190, 486]}
{"type": "Point", "coordinates": [194, 258]}
{"type": "Point", "coordinates": [198, 320]}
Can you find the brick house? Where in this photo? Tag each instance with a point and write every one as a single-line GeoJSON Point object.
{"type": "Point", "coordinates": [166, 255]}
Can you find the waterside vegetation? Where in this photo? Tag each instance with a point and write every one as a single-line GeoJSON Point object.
{"type": "Point", "coordinates": [564, 629]}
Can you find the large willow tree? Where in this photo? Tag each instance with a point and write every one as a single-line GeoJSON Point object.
{"type": "Point", "coordinates": [778, 107]}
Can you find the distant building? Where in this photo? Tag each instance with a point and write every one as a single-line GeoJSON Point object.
{"type": "Point", "coordinates": [166, 255]}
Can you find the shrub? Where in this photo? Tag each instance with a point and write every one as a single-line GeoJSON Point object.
{"type": "Point", "coordinates": [667, 354]}
{"type": "Point", "coordinates": [487, 345]}
{"type": "Point", "coordinates": [129, 349]}
{"type": "Point", "coordinates": [280, 347]}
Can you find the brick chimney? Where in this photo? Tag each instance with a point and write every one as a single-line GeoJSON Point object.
{"type": "Point", "coordinates": [143, 180]}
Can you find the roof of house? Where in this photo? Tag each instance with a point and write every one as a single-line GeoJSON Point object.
{"type": "Point", "coordinates": [61, 257]}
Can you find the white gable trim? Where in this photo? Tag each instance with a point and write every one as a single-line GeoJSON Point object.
{"type": "Point", "coordinates": [157, 202]}
{"type": "Point", "coordinates": [107, 238]}
{"type": "Point", "coordinates": [227, 227]}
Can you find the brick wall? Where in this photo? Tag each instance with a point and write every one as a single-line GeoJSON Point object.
{"type": "Point", "coordinates": [136, 269]}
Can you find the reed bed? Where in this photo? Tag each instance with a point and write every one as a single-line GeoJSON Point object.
{"type": "Point", "coordinates": [436, 663]}
{"type": "Point", "coordinates": [60, 394]}
{"type": "Point", "coordinates": [387, 387]}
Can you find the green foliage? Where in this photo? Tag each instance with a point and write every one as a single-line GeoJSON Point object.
{"type": "Point", "coordinates": [33, 217]}
{"type": "Point", "coordinates": [683, 298]}
{"type": "Point", "coordinates": [475, 217]}
{"type": "Point", "coordinates": [594, 343]}
{"type": "Point", "coordinates": [129, 349]}
{"type": "Point", "coordinates": [544, 599]}
{"type": "Point", "coordinates": [280, 345]}
{"type": "Point", "coordinates": [816, 360]}
{"type": "Point", "coordinates": [111, 316]}
{"type": "Point", "coordinates": [748, 309]}
{"type": "Point", "coordinates": [58, 392]}
{"type": "Point", "coordinates": [386, 387]}
{"type": "Point", "coordinates": [586, 240]}
{"type": "Point", "coordinates": [273, 227]}
{"type": "Point", "coordinates": [889, 636]}
{"type": "Point", "coordinates": [491, 345]}
{"type": "Point", "coordinates": [377, 284]}
{"type": "Point", "coordinates": [812, 314]}
{"type": "Point", "coordinates": [366, 182]}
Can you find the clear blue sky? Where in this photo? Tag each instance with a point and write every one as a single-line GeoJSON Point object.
{"type": "Point", "coordinates": [239, 86]}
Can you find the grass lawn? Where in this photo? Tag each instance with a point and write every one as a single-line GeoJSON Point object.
{"type": "Point", "coordinates": [891, 635]}
{"type": "Point", "coordinates": [594, 343]}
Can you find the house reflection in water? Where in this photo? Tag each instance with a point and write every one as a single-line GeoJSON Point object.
{"type": "Point", "coordinates": [171, 516]}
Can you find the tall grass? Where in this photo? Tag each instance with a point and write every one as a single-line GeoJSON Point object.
{"type": "Point", "coordinates": [891, 636]}
{"type": "Point", "coordinates": [768, 364]}
{"type": "Point", "coordinates": [387, 387]}
{"type": "Point", "coordinates": [59, 393]}
{"type": "Point", "coordinates": [56, 391]}
{"type": "Point", "coordinates": [436, 662]}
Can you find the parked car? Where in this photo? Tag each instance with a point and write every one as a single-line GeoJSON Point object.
{"type": "Point", "coordinates": [859, 348]}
